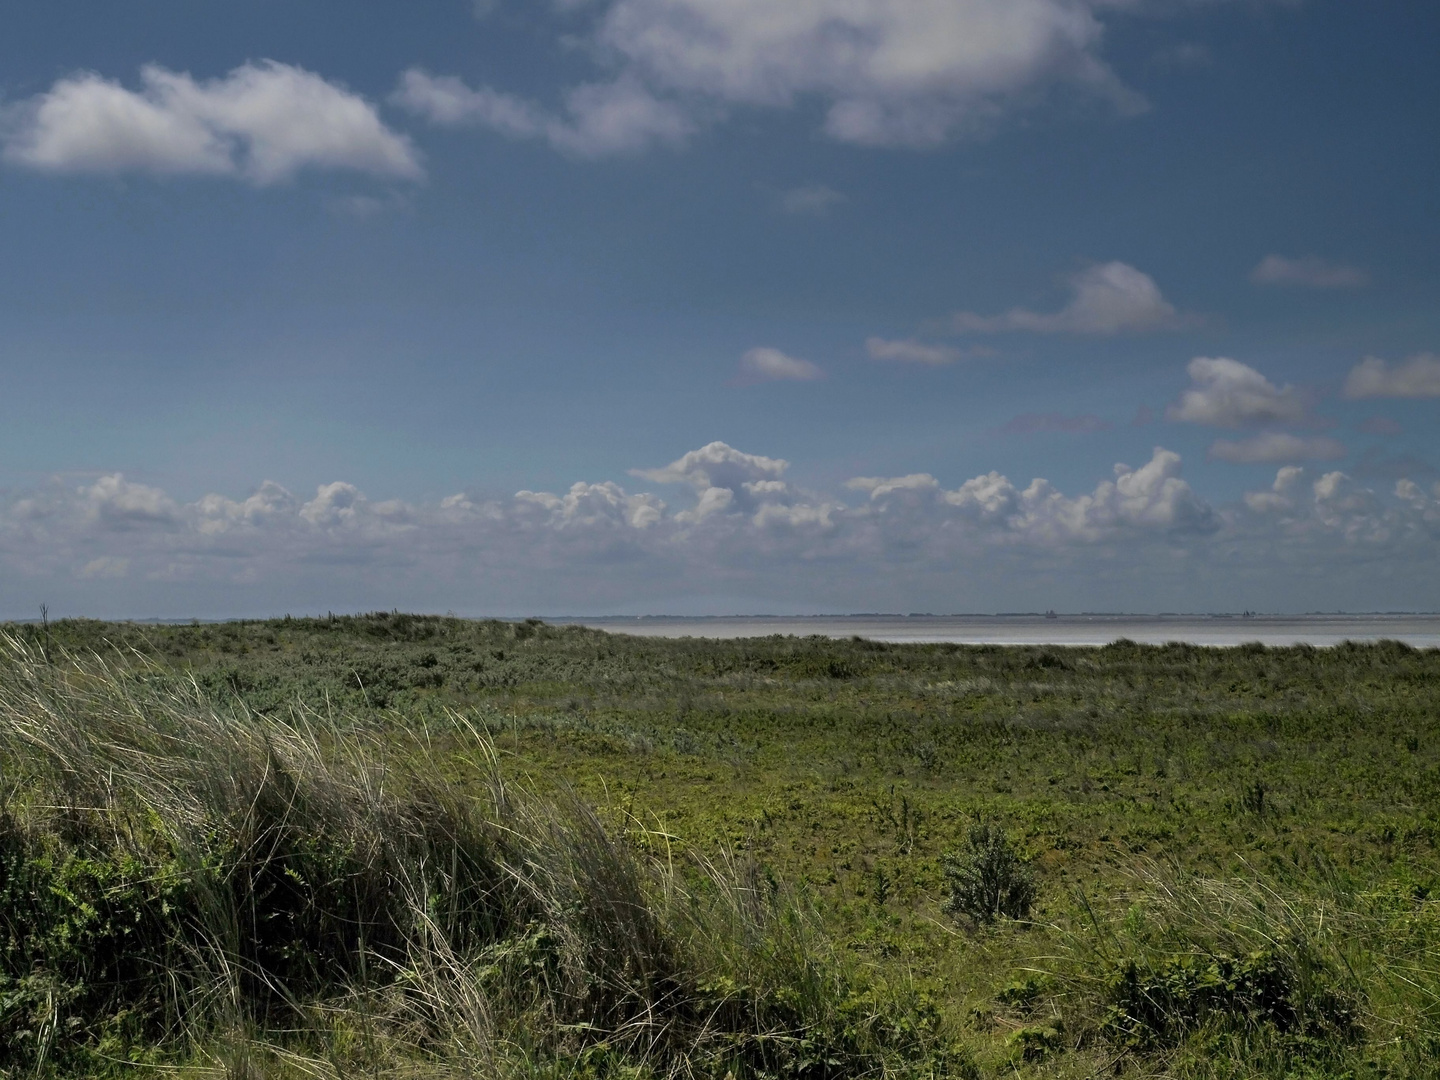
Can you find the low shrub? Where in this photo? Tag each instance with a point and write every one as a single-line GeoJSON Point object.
{"type": "Point", "coordinates": [989, 878]}
{"type": "Point", "coordinates": [1161, 1002]}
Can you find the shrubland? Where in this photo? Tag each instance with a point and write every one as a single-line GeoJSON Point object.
{"type": "Point", "coordinates": [395, 844]}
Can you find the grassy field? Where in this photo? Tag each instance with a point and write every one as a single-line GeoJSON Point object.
{"type": "Point", "coordinates": [394, 844]}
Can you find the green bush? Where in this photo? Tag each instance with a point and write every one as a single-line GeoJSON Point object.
{"type": "Point", "coordinates": [989, 878]}
{"type": "Point", "coordinates": [1162, 1002]}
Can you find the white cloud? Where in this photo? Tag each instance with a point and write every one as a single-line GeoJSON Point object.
{"type": "Point", "coordinates": [334, 504]}
{"type": "Point", "coordinates": [600, 118]}
{"type": "Point", "coordinates": [262, 122]}
{"type": "Point", "coordinates": [738, 523]}
{"type": "Point", "coordinates": [1282, 493]}
{"type": "Point", "coordinates": [446, 100]}
{"type": "Point", "coordinates": [1336, 518]}
{"type": "Point", "coordinates": [1227, 393]}
{"type": "Point", "coordinates": [770, 364]}
{"type": "Point", "coordinates": [1307, 272]}
{"type": "Point", "coordinates": [215, 514]}
{"type": "Point", "coordinates": [811, 200]}
{"type": "Point", "coordinates": [118, 504]}
{"type": "Point", "coordinates": [1337, 496]}
{"type": "Point", "coordinates": [1108, 298]}
{"type": "Point", "coordinates": [897, 72]}
{"type": "Point", "coordinates": [910, 351]}
{"type": "Point", "coordinates": [1418, 377]}
{"type": "Point", "coordinates": [1274, 447]}
{"type": "Point", "coordinates": [1151, 499]}
{"type": "Point", "coordinates": [590, 506]}
{"type": "Point", "coordinates": [885, 72]}
{"type": "Point", "coordinates": [716, 465]}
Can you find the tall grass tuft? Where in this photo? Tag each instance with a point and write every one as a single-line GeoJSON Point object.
{"type": "Point", "coordinates": [1251, 976]}
{"type": "Point", "coordinates": [182, 879]}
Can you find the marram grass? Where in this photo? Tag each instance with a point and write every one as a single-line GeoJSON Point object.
{"type": "Point", "coordinates": [186, 884]}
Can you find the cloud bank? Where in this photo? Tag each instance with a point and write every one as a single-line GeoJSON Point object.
{"type": "Point", "coordinates": [729, 520]}
{"type": "Point", "coordinates": [262, 123]}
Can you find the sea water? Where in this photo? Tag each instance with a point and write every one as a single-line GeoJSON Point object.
{"type": "Point", "coordinates": [1421, 631]}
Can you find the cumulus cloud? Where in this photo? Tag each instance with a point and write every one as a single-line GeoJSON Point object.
{"type": "Point", "coordinates": [120, 504]}
{"type": "Point", "coordinates": [1107, 298]}
{"type": "Point", "coordinates": [1227, 393]}
{"type": "Point", "coordinates": [1275, 446]}
{"type": "Point", "coordinates": [263, 122]}
{"type": "Point", "coordinates": [1152, 499]}
{"type": "Point", "coordinates": [811, 200]}
{"type": "Point", "coordinates": [1418, 377]}
{"type": "Point", "coordinates": [599, 118]}
{"type": "Point", "coordinates": [768, 364]}
{"type": "Point", "coordinates": [1336, 519]}
{"type": "Point", "coordinates": [591, 506]}
{"type": "Point", "coordinates": [1307, 272]}
{"type": "Point", "coordinates": [716, 465]}
{"type": "Point", "coordinates": [910, 351]}
{"type": "Point", "coordinates": [1282, 493]}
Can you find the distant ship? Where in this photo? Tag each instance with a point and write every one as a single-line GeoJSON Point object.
{"type": "Point", "coordinates": [1051, 614]}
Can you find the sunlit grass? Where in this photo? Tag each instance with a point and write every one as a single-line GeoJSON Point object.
{"type": "Point", "coordinates": [539, 850]}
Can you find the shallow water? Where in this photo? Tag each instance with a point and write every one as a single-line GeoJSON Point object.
{"type": "Point", "coordinates": [1422, 631]}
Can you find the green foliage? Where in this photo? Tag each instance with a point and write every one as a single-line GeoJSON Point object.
{"type": "Point", "coordinates": [1183, 993]}
{"type": "Point", "coordinates": [989, 879]}
{"type": "Point", "coordinates": [422, 902]}
{"type": "Point", "coordinates": [1034, 1044]}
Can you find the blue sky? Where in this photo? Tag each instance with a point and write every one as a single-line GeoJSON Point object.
{"type": "Point", "coordinates": [312, 306]}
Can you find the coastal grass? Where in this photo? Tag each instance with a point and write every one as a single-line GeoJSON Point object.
{"type": "Point", "coordinates": [394, 843]}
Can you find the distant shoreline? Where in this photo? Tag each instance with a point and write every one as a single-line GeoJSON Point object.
{"type": "Point", "coordinates": [1215, 629]}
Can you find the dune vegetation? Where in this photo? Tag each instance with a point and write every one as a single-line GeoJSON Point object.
{"type": "Point", "coordinates": [422, 846]}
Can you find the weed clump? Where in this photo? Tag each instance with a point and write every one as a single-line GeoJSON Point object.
{"type": "Point", "coordinates": [988, 879]}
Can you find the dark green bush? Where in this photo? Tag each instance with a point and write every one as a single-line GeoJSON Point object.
{"type": "Point", "coordinates": [1159, 1003]}
{"type": "Point", "coordinates": [989, 878]}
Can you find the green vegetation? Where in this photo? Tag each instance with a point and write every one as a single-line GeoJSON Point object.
{"type": "Point", "coordinates": [408, 845]}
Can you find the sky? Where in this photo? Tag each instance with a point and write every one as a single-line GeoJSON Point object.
{"type": "Point", "coordinates": [719, 306]}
